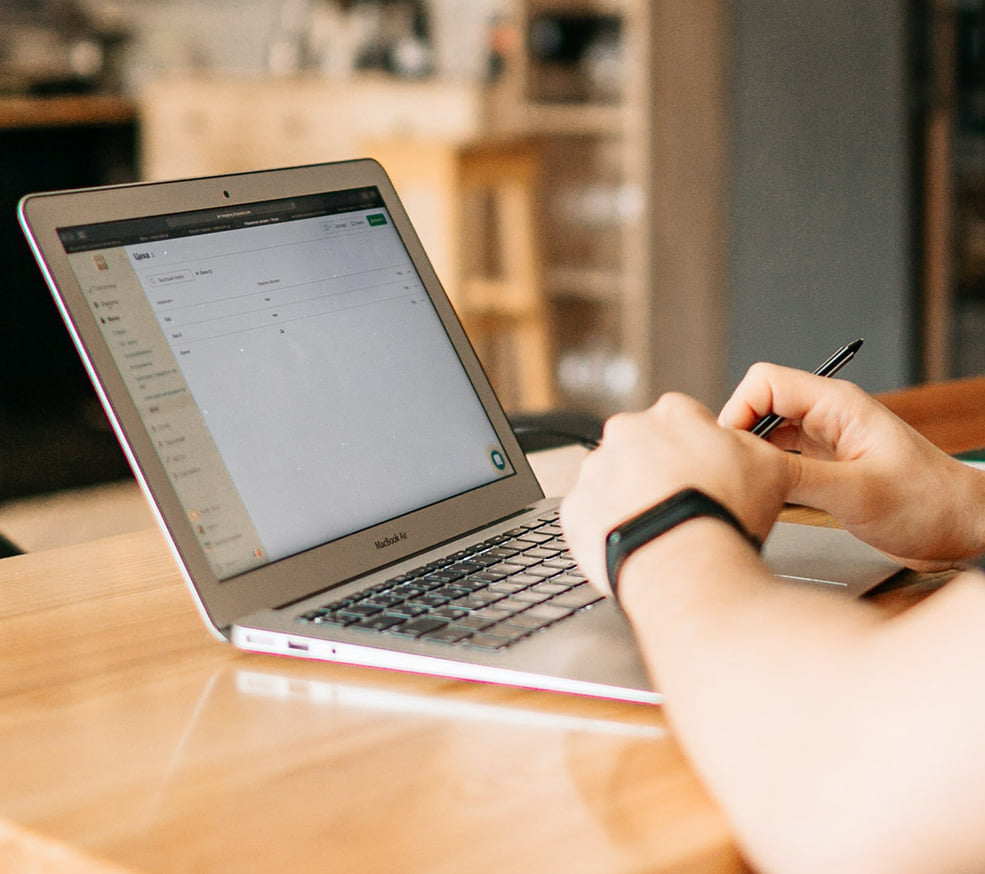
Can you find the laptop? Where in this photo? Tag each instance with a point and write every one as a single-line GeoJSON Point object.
{"type": "Point", "coordinates": [318, 440]}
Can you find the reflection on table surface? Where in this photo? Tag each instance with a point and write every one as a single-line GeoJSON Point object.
{"type": "Point", "coordinates": [128, 732]}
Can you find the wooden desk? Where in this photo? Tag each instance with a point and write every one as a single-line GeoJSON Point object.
{"type": "Point", "coordinates": [950, 414]}
{"type": "Point", "coordinates": [129, 736]}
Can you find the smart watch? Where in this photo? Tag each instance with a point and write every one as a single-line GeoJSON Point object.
{"type": "Point", "coordinates": [623, 540]}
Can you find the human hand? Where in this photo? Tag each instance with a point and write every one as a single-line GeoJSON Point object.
{"type": "Point", "coordinates": [648, 456]}
{"type": "Point", "coordinates": [877, 476]}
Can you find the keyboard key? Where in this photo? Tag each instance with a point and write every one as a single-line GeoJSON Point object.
{"type": "Point", "coordinates": [550, 612]}
{"type": "Point", "coordinates": [464, 568]}
{"type": "Point", "coordinates": [485, 559]}
{"type": "Point", "coordinates": [361, 609]}
{"type": "Point", "coordinates": [432, 600]}
{"type": "Point", "coordinates": [449, 593]}
{"type": "Point", "coordinates": [449, 634]}
{"type": "Point", "coordinates": [506, 632]}
{"type": "Point", "coordinates": [475, 622]}
{"type": "Point", "coordinates": [526, 620]}
{"type": "Point", "coordinates": [578, 597]}
{"type": "Point", "coordinates": [561, 563]}
{"type": "Point", "coordinates": [503, 569]}
{"type": "Point", "coordinates": [450, 612]}
{"type": "Point", "coordinates": [525, 579]}
{"type": "Point", "coordinates": [409, 609]}
{"type": "Point", "coordinates": [532, 596]}
{"type": "Point", "coordinates": [490, 576]}
{"type": "Point", "coordinates": [469, 603]}
{"type": "Point", "coordinates": [488, 641]}
{"type": "Point", "coordinates": [420, 626]}
{"type": "Point", "coordinates": [507, 587]}
{"type": "Point", "coordinates": [407, 592]}
{"type": "Point", "coordinates": [443, 576]}
{"type": "Point", "coordinates": [470, 585]}
{"type": "Point", "coordinates": [381, 623]}
{"type": "Point", "coordinates": [493, 614]}
{"type": "Point", "coordinates": [513, 604]}
{"type": "Point", "coordinates": [545, 552]}
{"type": "Point", "coordinates": [385, 600]}
{"type": "Point", "coordinates": [549, 588]}
{"type": "Point", "coordinates": [501, 552]}
{"type": "Point", "coordinates": [484, 596]}
{"type": "Point", "coordinates": [542, 571]}
{"type": "Point", "coordinates": [535, 537]}
{"type": "Point", "coordinates": [337, 619]}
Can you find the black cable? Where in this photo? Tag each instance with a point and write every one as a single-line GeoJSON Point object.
{"type": "Point", "coordinates": [569, 436]}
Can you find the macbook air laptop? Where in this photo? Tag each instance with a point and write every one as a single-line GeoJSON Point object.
{"type": "Point", "coordinates": [318, 439]}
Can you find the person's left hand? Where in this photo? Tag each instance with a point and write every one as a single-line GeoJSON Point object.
{"type": "Point", "coordinates": [645, 457]}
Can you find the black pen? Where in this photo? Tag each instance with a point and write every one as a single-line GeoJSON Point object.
{"type": "Point", "coordinates": [771, 421]}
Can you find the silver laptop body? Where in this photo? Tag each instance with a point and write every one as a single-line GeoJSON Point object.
{"type": "Point", "coordinates": [307, 418]}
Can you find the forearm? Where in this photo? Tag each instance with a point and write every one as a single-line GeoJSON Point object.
{"type": "Point", "coordinates": [722, 636]}
{"type": "Point", "coordinates": [754, 691]}
{"type": "Point", "coordinates": [835, 739]}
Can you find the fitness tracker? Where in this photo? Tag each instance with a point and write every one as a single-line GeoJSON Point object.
{"type": "Point", "coordinates": [623, 540]}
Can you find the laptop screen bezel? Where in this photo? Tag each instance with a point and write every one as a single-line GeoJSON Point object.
{"type": "Point", "coordinates": [222, 602]}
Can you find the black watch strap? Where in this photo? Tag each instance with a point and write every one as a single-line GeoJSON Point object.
{"type": "Point", "coordinates": [623, 540]}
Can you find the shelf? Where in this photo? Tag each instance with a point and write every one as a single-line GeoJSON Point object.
{"type": "Point", "coordinates": [64, 111]}
{"type": "Point", "coordinates": [574, 118]}
{"type": "Point", "coordinates": [586, 284]}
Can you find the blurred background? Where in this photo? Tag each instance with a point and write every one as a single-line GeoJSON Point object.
{"type": "Point", "coordinates": [621, 196]}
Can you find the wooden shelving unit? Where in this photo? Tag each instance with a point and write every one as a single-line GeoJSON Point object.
{"type": "Point", "coordinates": [627, 97]}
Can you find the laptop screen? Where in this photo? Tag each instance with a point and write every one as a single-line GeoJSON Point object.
{"type": "Point", "coordinates": [290, 368]}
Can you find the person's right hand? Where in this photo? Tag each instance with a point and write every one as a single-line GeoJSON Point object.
{"type": "Point", "coordinates": [878, 477]}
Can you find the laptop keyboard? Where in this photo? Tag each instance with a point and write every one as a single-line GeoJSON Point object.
{"type": "Point", "coordinates": [486, 597]}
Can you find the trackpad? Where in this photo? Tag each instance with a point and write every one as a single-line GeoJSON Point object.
{"type": "Point", "coordinates": [832, 556]}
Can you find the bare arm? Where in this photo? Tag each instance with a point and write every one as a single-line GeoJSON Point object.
{"type": "Point", "coordinates": [835, 739]}
{"type": "Point", "coordinates": [822, 729]}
